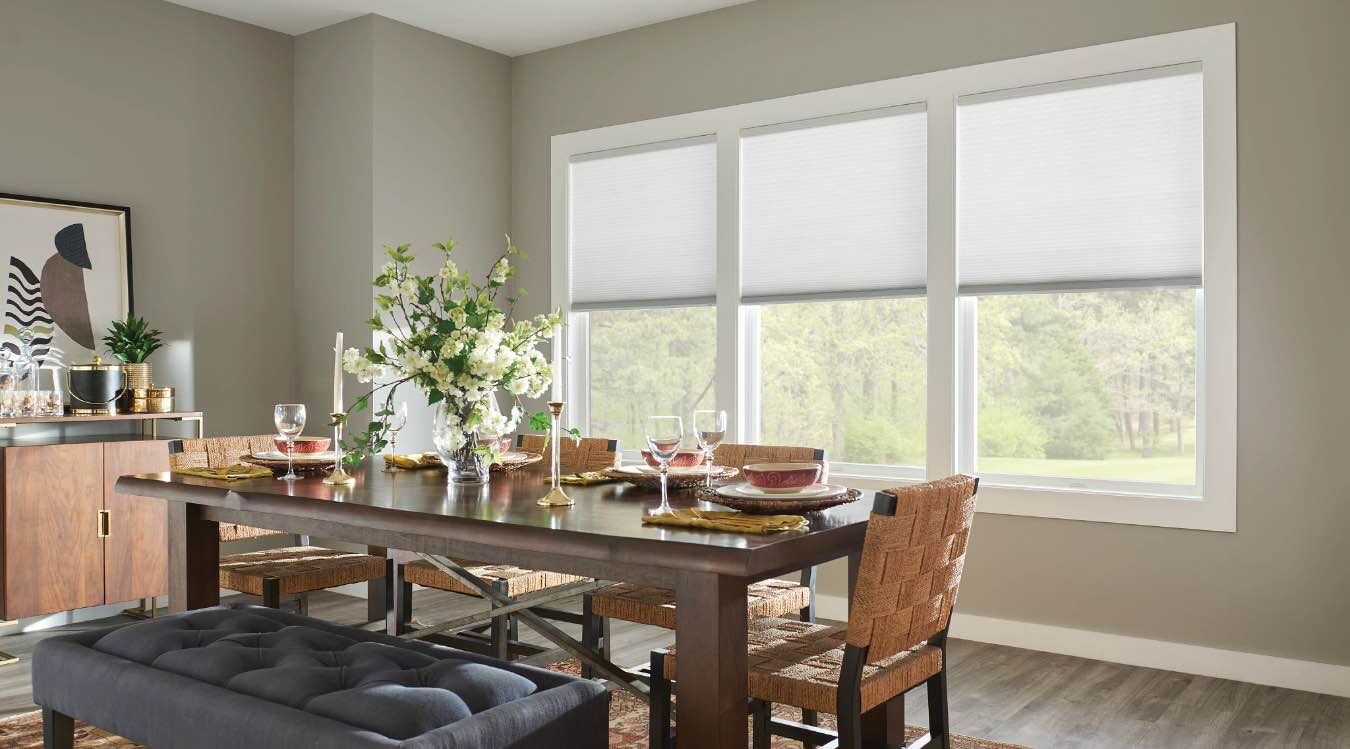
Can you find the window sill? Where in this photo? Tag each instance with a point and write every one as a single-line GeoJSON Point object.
{"type": "Point", "coordinates": [1088, 505]}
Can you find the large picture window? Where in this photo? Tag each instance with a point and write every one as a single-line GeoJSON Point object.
{"type": "Point", "coordinates": [1022, 269]}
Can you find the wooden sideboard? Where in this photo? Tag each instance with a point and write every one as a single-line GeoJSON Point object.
{"type": "Point", "coordinates": [68, 540]}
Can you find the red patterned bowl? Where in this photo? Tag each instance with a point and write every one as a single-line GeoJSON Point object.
{"type": "Point", "coordinates": [304, 445]}
{"type": "Point", "coordinates": [682, 459]}
{"type": "Point", "coordinates": [781, 477]}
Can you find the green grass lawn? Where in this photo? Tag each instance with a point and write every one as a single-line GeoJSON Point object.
{"type": "Point", "coordinates": [1167, 464]}
{"type": "Point", "coordinates": [1171, 469]}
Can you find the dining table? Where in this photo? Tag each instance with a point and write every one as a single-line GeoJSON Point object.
{"type": "Point", "coordinates": [600, 536]}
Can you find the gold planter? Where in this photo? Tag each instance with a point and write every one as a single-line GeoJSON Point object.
{"type": "Point", "coordinates": [138, 376]}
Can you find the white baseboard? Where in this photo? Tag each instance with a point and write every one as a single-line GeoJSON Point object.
{"type": "Point", "coordinates": [1308, 676]}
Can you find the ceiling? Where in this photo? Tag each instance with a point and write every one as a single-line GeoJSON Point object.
{"type": "Point", "coordinates": [512, 27]}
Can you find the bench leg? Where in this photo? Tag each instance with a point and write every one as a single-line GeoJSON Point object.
{"type": "Point", "coordinates": [58, 730]}
{"type": "Point", "coordinates": [501, 630]}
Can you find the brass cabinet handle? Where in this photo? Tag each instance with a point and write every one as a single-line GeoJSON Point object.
{"type": "Point", "coordinates": [104, 523]}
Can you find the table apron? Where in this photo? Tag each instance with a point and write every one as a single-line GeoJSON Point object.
{"type": "Point", "coordinates": [601, 569]}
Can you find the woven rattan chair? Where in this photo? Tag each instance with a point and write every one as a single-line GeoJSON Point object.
{"type": "Point", "coordinates": [656, 606]}
{"type": "Point", "coordinates": [591, 454]}
{"type": "Point", "coordinates": [274, 574]}
{"type": "Point", "coordinates": [896, 638]}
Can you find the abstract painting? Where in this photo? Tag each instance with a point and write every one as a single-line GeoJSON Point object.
{"type": "Point", "coordinates": [69, 274]}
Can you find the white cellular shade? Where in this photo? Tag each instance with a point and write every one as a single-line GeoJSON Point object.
{"type": "Point", "coordinates": [835, 207]}
{"type": "Point", "coordinates": [1085, 184]}
{"type": "Point", "coordinates": [643, 226]}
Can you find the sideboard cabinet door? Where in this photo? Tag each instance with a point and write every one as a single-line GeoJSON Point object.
{"type": "Point", "coordinates": [136, 551]}
{"type": "Point", "coordinates": [52, 550]}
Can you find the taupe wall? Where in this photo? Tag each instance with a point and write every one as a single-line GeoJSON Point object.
{"type": "Point", "coordinates": [185, 117]}
{"type": "Point", "coordinates": [402, 136]}
{"type": "Point", "coordinates": [1281, 584]}
{"type": "Point", "coordinates": [441, 166]}
{"type": "Point", "coordinates": [334, 203]}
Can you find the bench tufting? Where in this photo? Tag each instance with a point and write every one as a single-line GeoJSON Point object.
{"type": "Point", "coordinates": [249, 676]}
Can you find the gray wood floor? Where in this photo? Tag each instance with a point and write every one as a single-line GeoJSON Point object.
{"type": "Point", "coordinates": [1038, 699]}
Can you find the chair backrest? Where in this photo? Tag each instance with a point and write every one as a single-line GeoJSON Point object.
{"type": "Point", "coordinates": [740, 456]}
{"type": "Point", "coordinates": [219, 452]}
{"type": "Point", "coordinates": [913, 555]}
{"type": "Point", "coordinates": [591, 454]}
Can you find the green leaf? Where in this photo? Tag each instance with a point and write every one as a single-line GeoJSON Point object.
{"type": "Point", "coordinates": [540, 421]}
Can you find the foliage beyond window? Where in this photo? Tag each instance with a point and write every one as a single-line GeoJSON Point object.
{"type": "Point", "coordinates": [1093, 385]}
{"type": "Point", "coordinates": [847, 376]}
{"type": "Point", "coordinates": [648, 362]}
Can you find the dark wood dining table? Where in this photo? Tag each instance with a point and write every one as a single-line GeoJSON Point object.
{"type": "Point", "coordinates": [601, 536]}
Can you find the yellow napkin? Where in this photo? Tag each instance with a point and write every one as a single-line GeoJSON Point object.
{"type": "Point", "coordinates": [234, 472]}
{"type": "Point", "coordinates": [735, 522]}
{"type": "Point", "coordinates": [413, 462]}
{"type": "Point", "coordinates": [585, 479]}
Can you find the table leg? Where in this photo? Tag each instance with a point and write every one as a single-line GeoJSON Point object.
{"type": "Point", "coordinates": [854, 561]}
{"type": "Point", "coordinates": [711, 676]}
{"type": "Point", "coordinates": [376, 590]}
{"type": "Point", "coordinates": [194, 558]}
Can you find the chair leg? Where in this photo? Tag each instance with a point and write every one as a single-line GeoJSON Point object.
{"type": "Point", "coordinates": [808, 614]}
{"type": "Point", "coordinates": [271, 593]}
{"type": "Point", "coordinates": [590, 632]}
{"type": "Point", "coordinates": [58, 730]}
{"type": "Point", "coordinates": [302, 604]}
{"type": "Point", "coordinates": [658, 728]}
{"type": "Point", "coordinates": [606, 638]}
{"type": "Point", "coordinates": [938, 720]}
{"type": "Point", "coordinates": [403, 614]}
{"type": "Point", "coordinates": [760, 711]}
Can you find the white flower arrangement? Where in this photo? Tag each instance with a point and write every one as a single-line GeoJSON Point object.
{"type": "Point", "coordinates": [446, 334]}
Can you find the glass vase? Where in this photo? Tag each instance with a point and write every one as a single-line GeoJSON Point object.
{"type": "Point", "coordinates": [456, 446]}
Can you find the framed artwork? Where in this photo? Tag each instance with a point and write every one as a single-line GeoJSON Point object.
{"type": "Point", "coordinates": [68, 274]}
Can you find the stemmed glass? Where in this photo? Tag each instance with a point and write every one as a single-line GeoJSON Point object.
{"type": "Point", "coordinates": [710, 427]}
{"type": "Point", "coordinates": [397, 421]}
{"type": "Point", "coordinates": [663, 438]}
{"type": "Point", "coordinates": [290, 422]}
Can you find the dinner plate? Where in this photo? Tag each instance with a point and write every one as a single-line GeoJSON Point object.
{"type": "Point", "coordinates": [323, 457]}
{"type": "Point", "coordinates": [515, 457]}
{"type": "Point", "coordinates": [699, 471]}
{"type": "Point", "coordinates": [807, 492]}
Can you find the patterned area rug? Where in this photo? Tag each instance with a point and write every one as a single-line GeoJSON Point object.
{"type": "Point", "coordinates": [627, 727]}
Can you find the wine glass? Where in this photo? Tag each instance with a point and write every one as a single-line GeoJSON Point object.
{"type": "Point", "coordinates": [397, 421]}
{"type": "Point", "coordinates": [290, 422]}
{"type": "Point", "coordinates": [710, 428]}
{"type": "Point", "coordinates": [663, 438]}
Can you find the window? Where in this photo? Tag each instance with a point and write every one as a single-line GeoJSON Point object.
{"type": "Point", "coordinates": [645, 362]}
{"type": "Point", "coordinates": [1086, 184]}
{"type": "Point", "coordinates": [1088, 385]}
{"type": "Point", "coordinates": [1024, 269]}
{"type": "Point", "coordinates": [861, 395]}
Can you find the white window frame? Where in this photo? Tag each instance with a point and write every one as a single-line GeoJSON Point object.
{"type": "Point", "coordinates": [1212, 505]}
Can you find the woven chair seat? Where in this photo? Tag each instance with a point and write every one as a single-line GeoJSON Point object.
{"type": "Point", "coordinates": [299, 569]}
{"type": "Point", "coordinates": [798, 663]}
{"type": "Point", "coordinates": [656, 606]}
{"type": "Point", "coordinates": [516, 581]}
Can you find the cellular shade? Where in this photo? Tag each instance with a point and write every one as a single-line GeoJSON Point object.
{"type": "Point", "coordinates": [835, 207]}
{"type": "Point", "coordinates": [1094, 183]}
{"type": "Point", "coordinates": [643, 226]}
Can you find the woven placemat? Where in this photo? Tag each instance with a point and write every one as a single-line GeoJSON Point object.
{"type": "Point", "coordinates": [786, 505]}
{"type": "Point", "coordinates": [674, 481]}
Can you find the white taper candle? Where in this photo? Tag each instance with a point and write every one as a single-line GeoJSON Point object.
{"type": "Point", "coordinates": [337, 374]}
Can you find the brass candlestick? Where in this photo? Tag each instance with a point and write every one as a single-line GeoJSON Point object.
{"type": "Point", "coordinates": [338, 476]}
{"type": "Point", "coordinates": [556, 497]}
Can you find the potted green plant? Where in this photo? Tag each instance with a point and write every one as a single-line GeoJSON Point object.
{"type": "Point", "coordinates": [132, 341]}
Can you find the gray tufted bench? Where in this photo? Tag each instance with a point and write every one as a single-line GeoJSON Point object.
{"type": "Point", "coordinates": [246, 676]}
